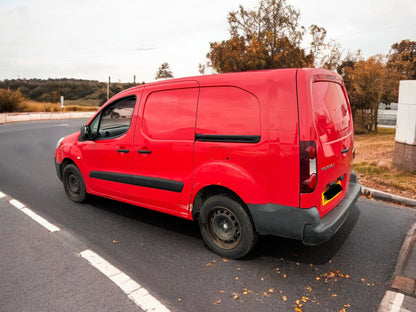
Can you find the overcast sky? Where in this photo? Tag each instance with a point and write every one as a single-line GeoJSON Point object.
{"type": "Point", "coordinates": [94, 39]}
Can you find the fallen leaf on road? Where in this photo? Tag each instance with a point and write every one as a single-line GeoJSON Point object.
{"type": "Point", "coordinates": [235, 296]}
{"type": "Point", "coordinates": [115, 241]}
{"type": "Point", "coordinates": [284, 298]}
{"type": "Point", "coordinates": [271, 290]}
{"type": "Point", "coordinates": [217, 302]}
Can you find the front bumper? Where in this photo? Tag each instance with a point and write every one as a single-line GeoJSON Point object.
{"type": "Point", "coordinates": [304, 224]}
{"type": "Point", "coordinates": [58, 169]}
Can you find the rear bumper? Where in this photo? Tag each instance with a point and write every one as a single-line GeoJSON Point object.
{"type": "Point", "coordinates": [304, 224]}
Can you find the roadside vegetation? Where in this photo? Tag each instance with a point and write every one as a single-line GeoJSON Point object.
{"type": "Point", "coordinates": [373, 164]}
{"type": "Point", "coordinates": [70, 106]}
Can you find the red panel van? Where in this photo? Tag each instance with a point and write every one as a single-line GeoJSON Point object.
{"type": "Point", "coordinates": [264, 152]}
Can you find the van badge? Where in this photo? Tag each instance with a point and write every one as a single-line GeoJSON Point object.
{"type": "Point", "coordinates": [327, 167]}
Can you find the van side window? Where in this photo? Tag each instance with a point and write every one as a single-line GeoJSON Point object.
{"type": "Point", "coordinates": [170, 114]}
{"type": "Point", "coordinates": [227, 111]}
{"type": "Point", "coordinates": [115, 119]}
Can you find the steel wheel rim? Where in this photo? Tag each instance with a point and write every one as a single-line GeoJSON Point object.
{"type": "Point", "coordinates": [74, 185]}
{"type": "Point", "coordinates": [224, 228]}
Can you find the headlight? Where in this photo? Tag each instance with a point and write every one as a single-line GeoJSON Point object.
{"type": "Point", "coordinates": [59, 142]}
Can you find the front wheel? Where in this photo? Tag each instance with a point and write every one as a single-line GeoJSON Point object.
{"type": "Point", "coordinates": [74, 183]}
{"type": "Point", "coordinates": [226, 227]}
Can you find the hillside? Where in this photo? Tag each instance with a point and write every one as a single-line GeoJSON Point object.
{"type": "Point", "coordinates": [84, 92]}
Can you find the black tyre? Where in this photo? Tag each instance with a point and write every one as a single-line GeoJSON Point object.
{"type": "Point", "coordinates": [226, 227]}
{"type": "Point", "coordinates": [74, 183]}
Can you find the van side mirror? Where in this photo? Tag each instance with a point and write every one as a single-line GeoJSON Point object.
{"type": "Point", "coordinates": [86, 133]}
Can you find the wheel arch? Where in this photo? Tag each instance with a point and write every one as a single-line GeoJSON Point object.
{"type": "Point", "coordinates": [211, 190]}
{"type": "Point", "coordinates": [66, 162]}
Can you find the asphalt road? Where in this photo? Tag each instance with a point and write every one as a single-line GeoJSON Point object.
{"type": "Point", "coordinates": [167, 255]}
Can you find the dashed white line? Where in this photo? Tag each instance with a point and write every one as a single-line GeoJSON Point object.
{"type": "Point", "coordinates": [45, 223]}
{"type": "Point", "coordinates": [131, 288]}
{"type": "Point", "coordinates": [17, 204]}
{"type": "Point", "coordinates": [135, 292]}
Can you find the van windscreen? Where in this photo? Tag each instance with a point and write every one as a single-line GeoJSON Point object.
{"type": "Point", "coordinates": [332, 117]}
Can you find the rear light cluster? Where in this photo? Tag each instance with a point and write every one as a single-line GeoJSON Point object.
{"type": "Point", "coordinates": [308, 172]}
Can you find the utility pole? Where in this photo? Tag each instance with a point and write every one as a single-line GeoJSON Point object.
{"type": "Point", "coordinates": [108, 89]}
{"type": "Point", "coordinates": [134, 79]}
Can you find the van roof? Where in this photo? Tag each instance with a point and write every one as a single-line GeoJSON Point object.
{"type": "Point", "coordinates": [235, 77]}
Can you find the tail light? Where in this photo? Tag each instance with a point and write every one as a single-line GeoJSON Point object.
{"type": "Point", "coordinates": [308, 172]}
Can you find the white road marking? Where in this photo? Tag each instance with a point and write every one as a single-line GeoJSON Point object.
{"type": "Point", "coordinates": [17, 204]}
{"type": "Point", "coordinates": [135, 292]}
{"type": "Point", "coordinates": [397, 303]}
{"type": "Point", "coordinates": [46, 224]}
{"type": "Point", "coordinates": [131, 288]}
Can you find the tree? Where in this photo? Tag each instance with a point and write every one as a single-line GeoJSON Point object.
{"type": "Point", "coordinates": [401, 65]}
{"type": "Point", "coordinates": [366, 80]}
{"type": "Point", "coordinates": [327, 54]}
{"type": "Point", "coordinates": [164, 72]}
{"type": "Point", "coordinates": [264, 38]}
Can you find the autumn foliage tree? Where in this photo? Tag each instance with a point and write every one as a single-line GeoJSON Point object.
{"type": "Point", "coordinates": [267, 37]}
{"type": "Point", "coordinates": [376, 80]}
{"type": "Point", "coordinates": [401, 65]}
{"type": "Point", "coordinates": [365, 83]}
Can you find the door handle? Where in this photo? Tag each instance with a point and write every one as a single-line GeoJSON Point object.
{"type": "Point", "coordinates": [144, 151]}
{"type": "Point", "coordinates": [345, 150]}
{"type": "Point", "coordinates": [123, 150]}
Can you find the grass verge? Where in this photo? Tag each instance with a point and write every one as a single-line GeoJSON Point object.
{"type": "Point", "coordinates": [373, 164]}
{"type": "Point", "coordinates": [33, 106]}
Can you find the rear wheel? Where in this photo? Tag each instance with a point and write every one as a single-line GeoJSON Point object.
{"type": "Point", "coordinates": [226, 227]}
{"type": "Point", "coordinates": [74, 183]}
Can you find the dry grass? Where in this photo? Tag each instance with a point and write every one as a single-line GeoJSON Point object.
{"type": "Point", "coordinates": [373, 164]}
{"type": "Point", "coordinates": [33, 106]}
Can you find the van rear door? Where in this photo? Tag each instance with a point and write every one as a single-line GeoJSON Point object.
{"type": "Point", "coordinates": [333, 137]}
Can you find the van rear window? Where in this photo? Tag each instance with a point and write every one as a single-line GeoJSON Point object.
{"type": "Point", "coordinates": [227, 111]}
{"type": "Point", "coordinates": [332, 117]}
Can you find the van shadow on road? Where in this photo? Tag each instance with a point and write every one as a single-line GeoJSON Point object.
{"type": "Point", "coordinates": [269, 246]}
